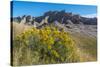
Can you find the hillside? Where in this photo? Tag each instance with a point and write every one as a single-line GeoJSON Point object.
{"type": "Point", "coordinates": [60, 28]}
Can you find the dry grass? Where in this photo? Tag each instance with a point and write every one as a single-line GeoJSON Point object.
{"type": "Point", "coordinates": [87, 47]}
{"type": "Point", "coordinates": [19, 28]}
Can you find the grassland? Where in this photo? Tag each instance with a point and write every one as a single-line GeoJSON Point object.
{"type": "Point", "coordinates": [87, 46]}
{"type": "Point", "coordinates": [84, 48]}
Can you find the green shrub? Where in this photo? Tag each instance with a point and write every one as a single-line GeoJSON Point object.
{"type": "Point", "coordinates": [44, 46]}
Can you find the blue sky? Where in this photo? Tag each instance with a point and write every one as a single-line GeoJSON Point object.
{"type": "Point", "coordinates": [38, 8]}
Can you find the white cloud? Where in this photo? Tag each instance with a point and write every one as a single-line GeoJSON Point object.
{"type": "Point", "coordinates": [90, 15]}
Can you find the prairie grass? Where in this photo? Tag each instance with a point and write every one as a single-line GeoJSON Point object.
{"type": "Point", "coordinates": [42, 46]}
{"type": "Point", "coordinates": [19, 28]}
{"type": "Point", "coordinates": [87, 46]}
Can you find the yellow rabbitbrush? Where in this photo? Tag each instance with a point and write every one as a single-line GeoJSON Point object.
{"type": "Point", "coordinates": [44, 46]}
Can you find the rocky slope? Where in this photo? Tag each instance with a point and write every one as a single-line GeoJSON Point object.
{"type": "Point", "coordinates": [83, 30]}
{"type": "Point", "coordinates": [59, 16]}
{"type": "Point", "coordinates": [69, 22]}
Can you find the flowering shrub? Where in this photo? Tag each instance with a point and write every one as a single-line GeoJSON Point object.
{"type": "Point", "coordinates": [43, 46]}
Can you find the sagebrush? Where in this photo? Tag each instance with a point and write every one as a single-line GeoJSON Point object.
{"type": "Point", "coordinates": [44, 46]}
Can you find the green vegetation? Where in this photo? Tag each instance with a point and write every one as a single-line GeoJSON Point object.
{"type": "Point", "coordinates": [47, 45]}
{"type": "Point", "coordinates": [87, 47]}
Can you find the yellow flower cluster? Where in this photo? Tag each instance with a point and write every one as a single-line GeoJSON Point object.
{"type": "Point", "coordinates": [51, 42]}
